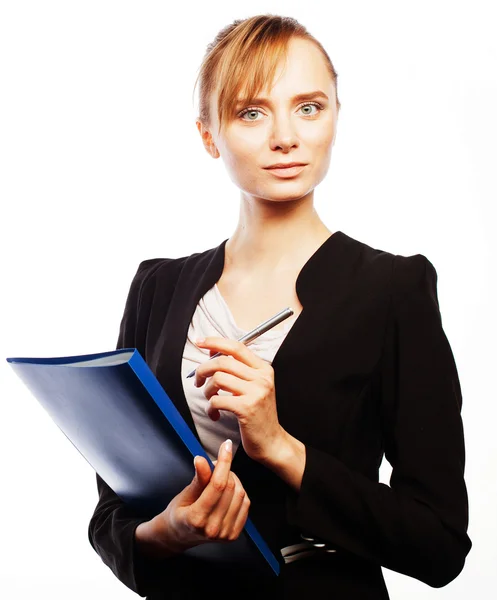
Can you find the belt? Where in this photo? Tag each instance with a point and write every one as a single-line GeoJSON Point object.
{"type": "Point", "coordinates": [309, 547]}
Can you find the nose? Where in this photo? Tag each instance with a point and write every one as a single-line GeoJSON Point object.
{"type": "Point", "coordinates": [283, 135]}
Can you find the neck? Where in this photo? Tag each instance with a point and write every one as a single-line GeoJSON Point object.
{"type": "Point", "coordinates": [274, 236]}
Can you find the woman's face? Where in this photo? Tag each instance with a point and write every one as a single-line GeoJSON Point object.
{"type": "Point", "coordinates": [281, 130]}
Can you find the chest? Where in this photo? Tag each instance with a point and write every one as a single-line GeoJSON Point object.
{"type": "Point", "coordinates": [253, 299]}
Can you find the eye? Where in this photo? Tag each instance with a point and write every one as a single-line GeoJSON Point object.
{"type": "Point", "coordinates": [252, 109]}
{"type": "Point", "coordinates": [309, 104]}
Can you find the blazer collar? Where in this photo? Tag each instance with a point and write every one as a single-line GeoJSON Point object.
{"type": "Point", "coordinates": [321, 282]}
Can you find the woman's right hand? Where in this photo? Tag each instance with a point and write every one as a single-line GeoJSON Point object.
{"type": "Point", "coordinates": [212, 508]}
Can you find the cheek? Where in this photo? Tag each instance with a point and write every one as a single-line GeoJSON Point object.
{"type": "Point", "coordinates": [320, 138]}
{"type": "Point", "coordinates": [322, 145]}
{"type": "Point", "coordinates": [243, 159]}
{"type": "Point", "coordinates": [233, 148]}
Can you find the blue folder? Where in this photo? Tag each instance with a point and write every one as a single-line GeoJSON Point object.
{"type": "Point", "coordinates": [115, 412]}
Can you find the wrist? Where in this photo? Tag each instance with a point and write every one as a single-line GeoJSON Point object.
{"type": "Point", "coordinates": [154, 540]}
{"type": "Point", "coordinates": [280, 450]}
{"type": "Point", "coordinates": [288, 460]}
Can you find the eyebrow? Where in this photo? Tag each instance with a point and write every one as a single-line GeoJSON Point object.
{"type": "Point", "coordinates": [304, 96]}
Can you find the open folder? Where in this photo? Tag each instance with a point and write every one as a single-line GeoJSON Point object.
{"type": "Point", "coordinates": [115, 412]}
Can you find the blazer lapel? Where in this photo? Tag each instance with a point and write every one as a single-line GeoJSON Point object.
{"type": "Point", "coordinates": [198, 275]}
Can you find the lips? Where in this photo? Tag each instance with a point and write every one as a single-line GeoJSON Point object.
{"type": "Point", "coordinates": [286, 172]}
{"type": "Point", "coordinates": [286, 165]}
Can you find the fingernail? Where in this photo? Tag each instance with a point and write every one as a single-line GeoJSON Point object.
{"type": "Point", "coordinates": [228, 445]}
{"type": "Point", "coordinates": [200, 341]}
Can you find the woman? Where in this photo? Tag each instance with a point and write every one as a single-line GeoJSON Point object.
{"type": "Point", "coordinates": [361, 370]}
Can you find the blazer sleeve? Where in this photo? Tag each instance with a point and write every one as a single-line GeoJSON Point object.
{"type": "Point", "coordinates": [112, 526]}
{"type": "Point", "coordinates": [418, 525]}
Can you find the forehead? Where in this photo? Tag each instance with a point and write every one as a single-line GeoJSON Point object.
{"type": "Point", "coordinates": [303, 70]}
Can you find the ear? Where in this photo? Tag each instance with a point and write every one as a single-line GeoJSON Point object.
{"type": "Point", "coordinates": [207, 140]}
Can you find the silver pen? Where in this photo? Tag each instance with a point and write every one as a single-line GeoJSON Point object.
{"type": "Point", "coordinates": [259, 330]}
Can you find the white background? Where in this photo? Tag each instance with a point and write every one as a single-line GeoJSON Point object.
{"type": "Point", "coordinates": [102, 166]}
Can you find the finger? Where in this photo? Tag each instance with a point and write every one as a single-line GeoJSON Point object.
{"type": "Point", "coordinates": [242, 517]}
{"type": "Point", "coordinates": [213, 413]}
{"type": "Point", "coordinates": [237, 383]}
{"type": "Point", "coordinates": [217, 484]}
{"type": "Point", "coordinates": [218, 517]}
{"type": "Point", "coordinates": [231, 517]}
{"type": "Point", "coordinates": [225, 364]}
{"type": "Point", "coordinates": [234, 348]}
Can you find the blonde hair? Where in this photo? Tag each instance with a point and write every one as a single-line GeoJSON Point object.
{"type": "Point", "coordinates": [245, 55]}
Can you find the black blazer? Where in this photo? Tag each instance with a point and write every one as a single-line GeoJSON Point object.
{"type": "Point", "coordinates": [365, 371]}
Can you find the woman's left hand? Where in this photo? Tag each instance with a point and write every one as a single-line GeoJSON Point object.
{"type": "Point", "coordinates": [251, 381]}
